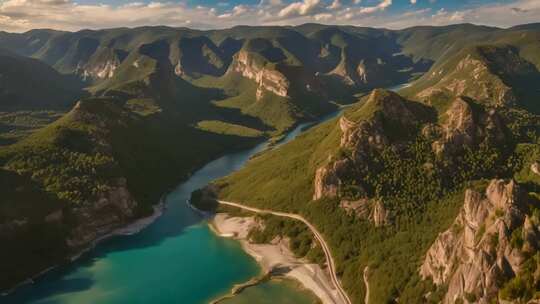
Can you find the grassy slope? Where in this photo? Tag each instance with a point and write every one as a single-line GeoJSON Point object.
{"type": "Point", "coordinates": [67, 163]}
{"type": "Point", "coordinates": [219, 127]}
{"type": "Point", "coordinates": [283, 180]}
{"type": "Point", "coordinates": [273, 111]}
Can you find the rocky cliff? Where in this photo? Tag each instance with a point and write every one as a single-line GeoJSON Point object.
{"type": "Point", "coordinates": [479, 252]}
{"type": "Point", "coordinates": [102, 65]}
{"type": "Point", "coordinates": [111, 209]}
{"type": "Point", "coordinates": [465, 126]}
{"type": "Point", "coordinates": [249, 65]}
{"type": "Point", "coordinates": [111, 205]}
{"type": "Point", "coordinates": [363, 133]}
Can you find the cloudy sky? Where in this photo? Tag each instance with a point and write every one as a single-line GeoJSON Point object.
{"type": "Point", "coordinates": [71, 15]}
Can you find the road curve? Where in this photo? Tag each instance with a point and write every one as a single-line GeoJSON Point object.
{"type": "Point", "coordinates": [316, 233]}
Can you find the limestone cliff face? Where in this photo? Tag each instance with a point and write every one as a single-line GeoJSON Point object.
{"type": "Point", "coordinates": [465, 128]}
{"type": "Point", "coordinates": [102, 65]}
{"type": "Point", "coordinates": [362, 72]}
{"type": "Point", "coordinates": [476, 254]}
{"type": "Point", "coordinates": [367, 209]}
{"type": "Point", "coordinates": [327, 181]}
{"type": "Point", "coordinates": [360, 137]}
{"type": "Point", "coordinates": [112, 209]}
{"type": "Point", "coordinates": [102, 70]}
{"type": "Point", "coordinates": [268, 80]}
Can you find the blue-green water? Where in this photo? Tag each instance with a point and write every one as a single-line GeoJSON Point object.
{"type": "Point", "coordinates": [177, 259]}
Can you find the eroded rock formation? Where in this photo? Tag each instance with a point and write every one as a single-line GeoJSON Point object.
{"type": "Point", "coordinates": [465, 127]}
{"type": "Point", "coordinates": [267, 79]}
{"type": "Point", "coordinates": [476, 254]}
{"type": "Point", "coordinates": [112, 209]}
{"type": "Point", "coordinates": [362, 136]}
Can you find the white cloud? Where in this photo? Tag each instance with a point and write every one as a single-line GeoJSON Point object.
{"type": "Point", "coordinates": [335, 5]}
{"type": "Point", "coordinates": [299, 8]}
{"type": "Point", "coordinates": [22, 15]}
{"type": "Point", "coordinates": [413, 1]}
{"type": "Point", "coordinates": [323, 17]}
{"type": "Point", "coordinates": [379, 7]}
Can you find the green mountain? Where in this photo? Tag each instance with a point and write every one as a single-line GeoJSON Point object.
{"type": "Point", "coordinates": [400, 184]}
{"type": "Point", "coordinates": [28, 84]}
{"type": "Point", "coordinates": [384, 180]}
{"type": "Point", "coordinates": [403, 187]}
{"type": "Point", "coordinates": [89, 170]}
{"type": "Point", "coordinates": [495, 74]}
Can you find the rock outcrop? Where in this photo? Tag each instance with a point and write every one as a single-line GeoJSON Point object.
{"type": "Point", "coordinates": [465, 127]}
{"type": "Point", "coordinates": [362, 136]}
{"type": "Point", "coordinates": [477, 254]}
{"type": "Point", "coordinates": [102, 65]}
{"type": "Point", "coordinates": [327, 181]}
{"type": "Point", "coordinates": [535, 168]}
{"type": "Point", "coordinates": [113, 206]}
{"type": "Point", "coordinates": [366, 209]}
{"type": "Point", "coordinates": [487, 74]}
{"type": "Point", "coordinates": [112, 209]}
{"type": "Point", "coordinates": [267, 79]}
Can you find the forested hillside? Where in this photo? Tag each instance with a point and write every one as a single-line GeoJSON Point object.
{"type": "Point", "coordinates": [116, 117]}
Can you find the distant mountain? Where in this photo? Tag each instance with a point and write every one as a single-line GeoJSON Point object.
{"type": "Point", "coordinates": [29, 84]}
{"type": "Point", "coordinates": [390, 183]}
{"type": "Point", "coordinates": [296, 70]}
{"type": "Point", "coordinates": [495, 74]}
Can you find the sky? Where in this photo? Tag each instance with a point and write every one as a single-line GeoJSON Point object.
{"type": "Point", "coordinates": [73, 15]}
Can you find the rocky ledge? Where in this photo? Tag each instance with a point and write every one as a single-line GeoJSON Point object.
{"type": "Point", "coordinates": [481, 251]}
{"type": "Point", "coordinates": [268, 80]}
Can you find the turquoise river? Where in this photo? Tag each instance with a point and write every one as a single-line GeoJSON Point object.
{"type": "Point", "coordinates": [176, 259]}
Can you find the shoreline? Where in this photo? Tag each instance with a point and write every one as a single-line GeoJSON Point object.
{"type": "Point", "coordinates": [275, 258]}
{"type": "Point", "coordinates": [131, 228]}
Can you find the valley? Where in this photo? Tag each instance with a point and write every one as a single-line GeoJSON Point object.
{"type": "Point", "coordinates": [426, 191]}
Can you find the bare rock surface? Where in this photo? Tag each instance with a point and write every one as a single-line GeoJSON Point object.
{"type": "Point", "coordinates": [476, 253]}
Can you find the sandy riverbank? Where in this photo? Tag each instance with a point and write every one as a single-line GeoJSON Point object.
{"type": "Point", "coordinates": [277, 257]}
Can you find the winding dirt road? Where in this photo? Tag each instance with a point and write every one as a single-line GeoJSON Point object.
{"type": "Point", "coordinates": [331, 265]}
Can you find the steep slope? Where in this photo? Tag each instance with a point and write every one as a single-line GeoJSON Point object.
{"type": "Point", "coordinates": [378, 187]}
{"type": "Point", "coordinates": [97, 168]}
{"type": "Point", "coordinates": [437, 42]}
{"type": "Point", "coordinates": [28, 84]}
{"type": "Point", "coordinates": [364, 60]}
{"type": "Point", "coordinates": [489, 74]}
{"type": "Point", "coordinates": [493, 239]}
{"type": "Point", "coordinates": [381, 182]}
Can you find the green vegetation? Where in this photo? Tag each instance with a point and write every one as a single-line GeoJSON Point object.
{"type": "Point", "coordinates": [272, 110]}
{"type": "Point", "coordinates": [525, 286]}
{"type": "Point", "coordinates": [29, 84]}
{"type": "Point", "coordinates": [73, 161]}
{"type": "Point", "coordinates": [422, 191]}
{"type": "Point", "coordinates": [220, 127]}
{"type": "Point", "coordinates": [15, 126]}
{"type": "Point", "coordinates": [172, 105]}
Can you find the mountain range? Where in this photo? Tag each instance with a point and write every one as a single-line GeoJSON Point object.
{"type": "Point", "coordinates": [434, 189]}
